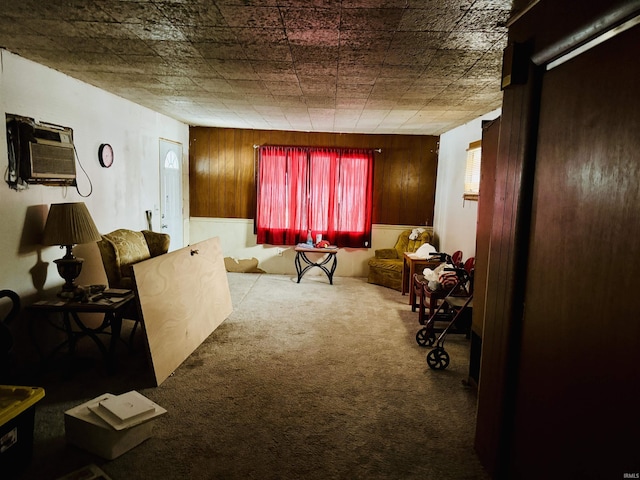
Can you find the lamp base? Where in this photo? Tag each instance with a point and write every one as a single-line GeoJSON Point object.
{"type": "Point", "coordinates": [69, 269]}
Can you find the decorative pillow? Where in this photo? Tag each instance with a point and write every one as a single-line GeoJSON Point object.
{"type": "Point", "coordinates": [132, 248]}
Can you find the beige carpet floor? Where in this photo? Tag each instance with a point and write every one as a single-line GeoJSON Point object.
{"type": "Point", "coordinates": [302, 381]}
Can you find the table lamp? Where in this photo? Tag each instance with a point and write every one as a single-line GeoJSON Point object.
{"type": "Point", "coordinates": [69, 224]}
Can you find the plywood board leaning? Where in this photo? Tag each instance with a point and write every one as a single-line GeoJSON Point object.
{"type": "Point", "coordinates": [183, 297]}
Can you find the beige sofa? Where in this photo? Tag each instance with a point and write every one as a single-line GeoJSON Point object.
{"type": "Point", "coordinates": [386, 267]}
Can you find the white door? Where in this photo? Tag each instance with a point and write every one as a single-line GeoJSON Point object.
{"type": "Point", "coordinates": [171, 192]}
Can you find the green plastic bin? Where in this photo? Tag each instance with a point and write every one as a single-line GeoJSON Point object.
{"type": "Point", "coordinates": [17, 412]}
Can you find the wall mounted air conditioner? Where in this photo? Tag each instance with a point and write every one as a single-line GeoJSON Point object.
{"type": "Point", "coordinates": [44, 152]}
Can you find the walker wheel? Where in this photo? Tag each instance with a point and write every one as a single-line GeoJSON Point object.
{"type": "Point", "coordinates": [438, 359]}
{"type": "Point", "coordinates": [425, 338]}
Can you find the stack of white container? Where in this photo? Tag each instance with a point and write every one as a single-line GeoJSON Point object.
{"type": "Point", "coordinates": [110, 425]}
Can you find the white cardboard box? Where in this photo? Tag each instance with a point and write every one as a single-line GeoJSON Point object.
{"type": "Point", "coordinates": [86, 430]}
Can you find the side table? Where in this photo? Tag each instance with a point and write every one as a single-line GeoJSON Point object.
{"type": "Point", "coordinates": [301, 256]}
{"type": "Point", "coordinates": [113, 309]}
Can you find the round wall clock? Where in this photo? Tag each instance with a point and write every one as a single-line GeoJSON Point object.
{"type": "Point", "coordinates": [105, 155]}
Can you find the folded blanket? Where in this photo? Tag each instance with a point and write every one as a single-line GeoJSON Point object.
{"type": "Point", "coordinates": [424, 251]}
{"type": "Point", "coordinates": [435, 273]}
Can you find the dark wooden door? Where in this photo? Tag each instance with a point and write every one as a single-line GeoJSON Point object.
{"type": "Point", "coordinates": [577, 398]}
{"type": "Point", "coordinates": [490, 137]}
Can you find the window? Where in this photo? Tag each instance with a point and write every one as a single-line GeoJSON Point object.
{"type": "Point", "coordinates": [171, 160]}
{"type": "Point", "coordinates": [326, 190]}
{"type": "Point", "coordinates": [472, 172]}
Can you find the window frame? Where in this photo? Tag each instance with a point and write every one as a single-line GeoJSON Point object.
{"type": "Point", "coordinates": [472, 171]}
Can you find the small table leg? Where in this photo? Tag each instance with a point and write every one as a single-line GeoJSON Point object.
{"type": "Point", "coordinates": [298, 266]}
{"type": "Point", "coordinates": [116, 328]}
{"type": "Point", "coordinates": [328, 271]}
{"type": "Point", "coordinates": [112, 320]}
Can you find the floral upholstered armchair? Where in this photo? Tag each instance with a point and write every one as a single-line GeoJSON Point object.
{"type": "Point", "coordinates": [122, 248]}
{"type": "Point", "coordinates": [386, 267]}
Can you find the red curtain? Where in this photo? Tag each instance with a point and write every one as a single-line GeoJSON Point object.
{"type": "Point", "coordinates": [327, 190]}
{"type": "Point", "coordinates": [282, 195]}
{"type": "Point", "coordinates": [353, 199]}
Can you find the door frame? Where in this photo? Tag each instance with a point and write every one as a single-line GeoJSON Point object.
{"type": "Point", "coordinates": [166, 145]}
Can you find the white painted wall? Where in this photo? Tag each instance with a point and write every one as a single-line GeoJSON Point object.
{"type": "Point", "coordinates": [118, 196]}
{"type": "Point", "coordinates": [454, 218]}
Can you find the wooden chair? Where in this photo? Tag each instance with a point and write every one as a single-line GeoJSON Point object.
{"type": "Point", "coordinates": [454, 309]}
{"type": "Point", "coordinates": [429, 300]}
{"type": "Point", "coordinates": [419, 283]}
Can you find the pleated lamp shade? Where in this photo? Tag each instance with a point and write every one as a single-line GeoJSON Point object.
{"type": "Point", "coordinates": [69, 224]}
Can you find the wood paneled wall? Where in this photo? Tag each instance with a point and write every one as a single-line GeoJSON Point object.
{"type": "Point", "coordinates": [222, 171]}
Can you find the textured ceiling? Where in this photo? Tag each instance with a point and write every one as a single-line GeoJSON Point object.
{"type": "Point", "coordinates": [352, 66]}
